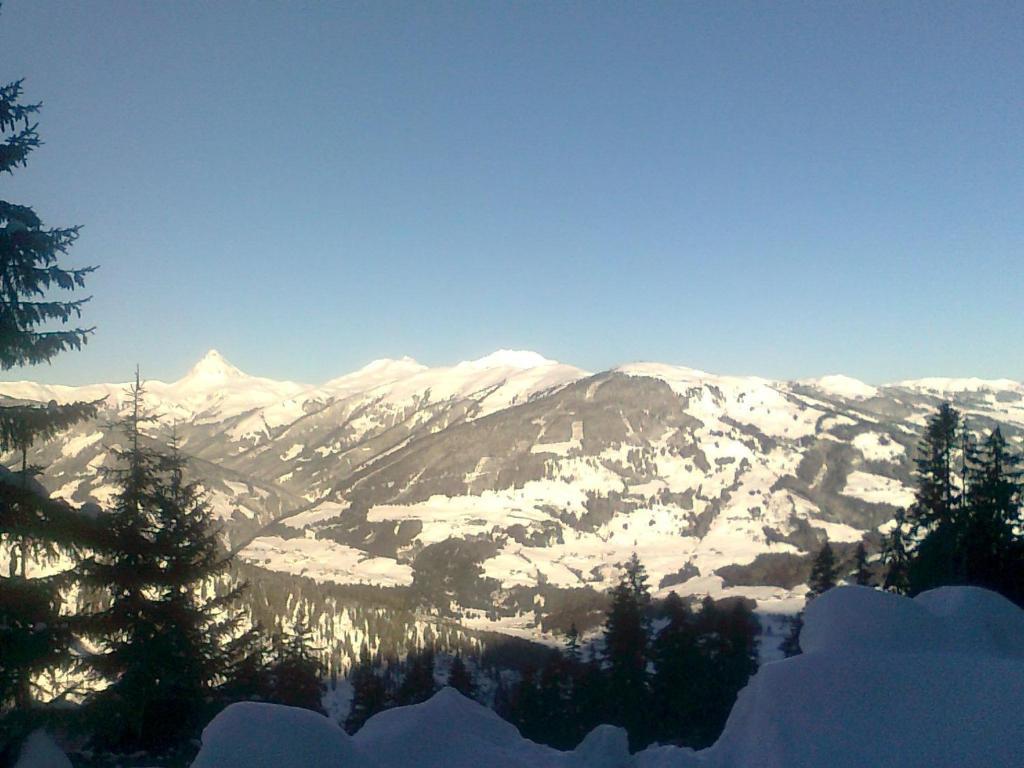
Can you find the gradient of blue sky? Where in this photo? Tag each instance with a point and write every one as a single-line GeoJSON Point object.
{"type": "Point", "coordinates": [787, 189]}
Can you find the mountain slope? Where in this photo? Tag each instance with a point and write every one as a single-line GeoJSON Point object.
{"type": "Point", "coordinates": [496, 488]}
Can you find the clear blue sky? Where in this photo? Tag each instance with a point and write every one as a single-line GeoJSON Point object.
{"type": "Point", "coordinates": [787, 189]}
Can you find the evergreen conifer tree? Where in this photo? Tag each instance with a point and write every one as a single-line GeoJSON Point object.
{"type": "Point", "coordinates": [34, 632]}
{"type": "Point", "coordinates": [990, 551]}
{"type": "Point", "coordinates": [896, 557]}
{"type": "Point", "coordinates": [369, 692]}
{"type": "Point", "coordinates": [967, 529]}
{"type": "Point", "coordinates": [731, 649]}
{"type": "Point", "coordinates": [937, 497]}
{"type": "Point", "coordinates": [29, 254]}
{"type": "Point", "coordinates": [572, 644]}
{"type": "Point", "coordinates": [626, 637]}
{"type": "Point", "coordinates": [296, 670]}
{"type": "Point", "coordinates": [418, 681]}
{"type": "Point", "coordinates": [165, 644]}
{"type": "Point", "coordinates": [790, 646]}
{"type": "Point", "coordinates": [680, 676]}
{"type": "Point", "coordinates": [861, 572]}
{"type": "Point", "coordinates": [824, 572]}
{"type": "Point", "coordinates": [460, 679]}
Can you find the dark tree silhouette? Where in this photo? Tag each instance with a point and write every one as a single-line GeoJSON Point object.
{"type": "Point", "coordinates": [460, 679]}
{"type": "Point", "coordinates": [896, 557]}
{"type": "Point", "coordinates": [627, 632]}
{"type": "Point", "coordinates": [29, 254]}
{"type": "Point", "coordinates": [164, 647]}
{"type": "Point", "coordinates": [937, 498]}
{"type": "Point", "coordinates": [34, 631]}
{"type": "Point", "coordinates": [861, 571]}
{"type": "Point", "coordinates": [824, 572]}
{"type": "Point", "coordinates": [296, 670]}
{"type": "Point", "coordinates": [369, 692]}
{"type": "Point", "coordinates": [418, 681]}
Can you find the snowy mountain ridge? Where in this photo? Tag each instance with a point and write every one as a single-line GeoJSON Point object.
{"type": "Point", "coordinates": [501, 485]}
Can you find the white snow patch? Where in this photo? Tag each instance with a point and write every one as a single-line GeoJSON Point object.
{"type": "Point", "coordinates": [876, 489]}
{"type": "Point", "coordinates": [323, 560]}
{"type": "Point", "coordinates": [76, 445]}
{"type": "Point", "coordinates": [844, 386]}
{"type": "Point", "coordinates": [292, 452]}
{"type": "Point", "coordinates": [876, 447]}
{"type": "Point", "coordinates": [318, 514]}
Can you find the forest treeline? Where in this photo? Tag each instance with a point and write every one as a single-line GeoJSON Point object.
{"type": "Point", "coordinates": [664, 672]}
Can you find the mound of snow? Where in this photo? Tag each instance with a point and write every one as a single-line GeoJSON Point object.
{"type": "Point", "coordinates": [950, 620]}
{"type": "Point", "coordinates": [40, 751]}
{"type": "Point", "coordinates": [861, 620]}
{"type": "Point", "coordinates": [884, 680]}
{"type": "Point", "coordinates": [604, 747]}
{"type": "Point", "coordinates": [451, 731]}
{"type": "Point", "coordinates": [448, 731]}
{"type": "Point", "coordinates": [256, 735]}
{"type": "Point", "coordinates": [978, 621]}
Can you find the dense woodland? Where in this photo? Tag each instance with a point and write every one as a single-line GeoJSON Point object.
{"type": "Point", "coordinates": [125, 612]}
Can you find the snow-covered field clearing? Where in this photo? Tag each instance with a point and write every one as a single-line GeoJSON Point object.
{"type": "Point", "coordinates": [323, 560]}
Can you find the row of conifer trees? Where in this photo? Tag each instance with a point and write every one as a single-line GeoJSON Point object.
{"type": "Point", "coordinates": [964, 527]}
{"type": "Point", "coordinates": [674, 685]}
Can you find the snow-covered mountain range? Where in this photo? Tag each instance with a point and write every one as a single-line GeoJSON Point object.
{"type": "Point", "coordinates": [501, 487]}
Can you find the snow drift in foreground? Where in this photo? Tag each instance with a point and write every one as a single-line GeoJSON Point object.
{"type": "Point", "coordinates": [40, 751]}
{"type": "Point", "coordinates": [883, 681]}
{"type": "Point", "coordinates": [256, 735]}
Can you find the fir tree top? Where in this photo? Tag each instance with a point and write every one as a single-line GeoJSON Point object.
{"type": "Point", "coordinates": [29, 253]}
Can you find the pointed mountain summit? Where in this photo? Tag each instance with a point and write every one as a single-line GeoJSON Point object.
{"type": "Point", "coordinates": [213, 367]}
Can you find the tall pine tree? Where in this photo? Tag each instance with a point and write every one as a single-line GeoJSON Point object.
{"type": "Point", "coordinates": [29, 253]}
{"type": "Point", "coordinates": [460, 679]}
{"type": "Point", "coordinates": [824, 571]}
{"type": "Point", "coordinates": [627, 632]}
{"type": "Point", "coordinates": [938, 497]}
{"type": "Point", "coordinates": [896, 557]}
{"type": "Point", "coordinates": [861, 572]}
{"type": "Point", "coordinates": [166, 640]}
{"type": "Point", "coordinates": [991, 547]}
{"type": "Point", "coordinates": [34, 632]}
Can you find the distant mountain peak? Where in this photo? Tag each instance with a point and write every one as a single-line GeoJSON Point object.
{"type": "Point", "coordinates": [509, 358]}
{"type": "Point", "coordinates": [213, 367]}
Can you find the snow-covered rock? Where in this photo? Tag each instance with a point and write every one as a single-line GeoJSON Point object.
{"type": "Point", "coordinates": [257, 735]}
